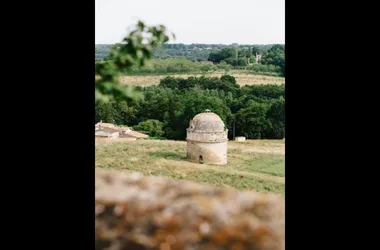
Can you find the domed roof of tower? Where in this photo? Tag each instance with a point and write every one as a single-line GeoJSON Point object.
{"type": "Point", "coordinates": [207, 122]}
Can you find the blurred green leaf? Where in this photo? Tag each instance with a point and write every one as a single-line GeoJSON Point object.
{"type": "Point", "coordinates": [133, 51]}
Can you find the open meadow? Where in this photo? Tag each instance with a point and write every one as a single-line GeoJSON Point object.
{"type": "Point", "coordinates": [257, 165]}
{"type": "Point", "coordinates": [242, 78]}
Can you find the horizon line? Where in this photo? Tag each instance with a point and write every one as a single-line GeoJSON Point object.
{"type": "Point", "coordinates": [206, 43]}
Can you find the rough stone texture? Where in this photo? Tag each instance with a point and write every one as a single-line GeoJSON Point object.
{"type": "Point", "coordinates": [212, 153]}
{"type": "Point", "coordinates": [136, 212]}
{"type": "Point", "coordinates": [207, 139]}
{"type": "Point", "coordinates": [207, 122]}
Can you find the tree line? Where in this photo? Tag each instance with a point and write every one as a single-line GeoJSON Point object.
{"type": "Point", "coordinates": [273, 57]}
{"type": "Point", "coordinates": [193, 52]}
{"type": "Point", "coordinates": [182, 65]}
{"type": "Point", "coordinates": [257, 111]}
{"type": "Point", "coordinates": [226, 59]}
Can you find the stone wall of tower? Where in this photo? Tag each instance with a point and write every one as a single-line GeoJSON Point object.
{"type": "Point", "coordinates": [211, 137]}
{"type": "Point", "coordinates": [210, 153]}
{"type": "Point", "coordinates": [207, 147]}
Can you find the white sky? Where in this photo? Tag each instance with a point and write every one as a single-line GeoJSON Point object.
{"type": "Point", "coordinates": [195, 21]}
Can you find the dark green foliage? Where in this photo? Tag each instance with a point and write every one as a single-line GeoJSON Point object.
{"type": "Point", "coordinates": [230, 79]}
{"type": "Point", "coordinates": [269, 91]}
{"type": "Point", "coordinates": [105, 112]}
{"type": "Point", "coordinates": [258, 110]}
{"type": "Point", "coordinates": [226, 83]}
{"type": "Point", "coordinates": [257, 50]}
{"type": "Point", "coordinates": [216, 57]}
{"type": "Point", "coordinates": [181, 58]}
{"type": "Point", "coordinates": [242, 62]}
{"type": "Point", "coordinates": [126, 113]}
{"type": "Point", "coordinates": [276, 116]}
{"type": "Point", "coordinates": [275, 56]}
{"type": "Point", "coordinates": [252, 121]}
{"type": "Point", "coordinates": [170, 82]}
{"type": "Point", "coordinates": [151, 126]}
{"type": "Point", "coordinates": [117, 112]}
{"type": "Point", "coordinates": [232, 61]}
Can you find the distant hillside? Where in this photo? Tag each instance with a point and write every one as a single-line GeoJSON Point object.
{"type": "Point", "coordinates": [101, 51]}
{"type": "Point", "coordinates": [193, 52]}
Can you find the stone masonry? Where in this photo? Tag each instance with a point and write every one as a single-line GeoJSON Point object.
{"type": "Point", "coordinates": [137, 212]}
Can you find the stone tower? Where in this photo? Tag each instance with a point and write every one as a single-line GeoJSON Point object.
{"type": "Point", "coordinates": [207, 139]}
{"type": "Point", "coordinates": [258, 58]}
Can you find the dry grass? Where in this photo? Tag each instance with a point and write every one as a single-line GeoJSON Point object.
{"type": "Point", "coordinates": [259, 146]}
{"type": "Point", "coordinates": [241, 78]}
{"type": "Point", "coordinates": [252, 165]}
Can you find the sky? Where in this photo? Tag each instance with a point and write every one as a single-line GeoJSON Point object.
{"type": "Point", "coordinates": [195, 21]}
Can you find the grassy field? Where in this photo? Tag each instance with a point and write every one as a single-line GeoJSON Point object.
{"type": "Point", "coordinates": [242, 78]}
{"type": "Point", "coordinates": [257, 165]}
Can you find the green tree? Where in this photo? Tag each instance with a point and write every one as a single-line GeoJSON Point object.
{"type": "Point", "coordinates": [242, 62]}
{"type": "Point", "coordinates": [259, 111]}
{"type": "Point", "coordinates": [232, 61]}
{"type": "Point", "coordinates": [125, 114]}
{"type": "Point", "coordinates": [169, 82]}
{"type": "Point", "coordinates": [104, 111]}
{"type": "Point", "coordinates": [276, 117]}
{"type": "Point", "coordinates": [153, 127]}
{"type": "Point", "coordinates": [229, 79]}
{"type": "Point", "coordinates": [252, 59]}
{"type": "Point", "coordinates": [207, 68]}
{"type": "Point", "coordinates": [255, 50]}
{"type": "Point", "coordinates": [216, 57]}
{"type": "Point", "coordinates": [275, 56]}
{"type": "Point", "coordinates": [251, 121]}
{"type": "Point", "coordinates": [224, 66]}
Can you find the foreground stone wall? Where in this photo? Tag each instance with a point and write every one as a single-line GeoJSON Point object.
{"type": "Point", "coordinates": [136, 212]}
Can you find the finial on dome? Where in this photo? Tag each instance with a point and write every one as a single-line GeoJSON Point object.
{"type": "Point", "coordinates": [207, 111]}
